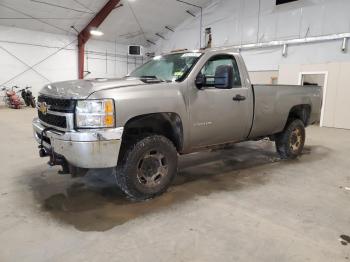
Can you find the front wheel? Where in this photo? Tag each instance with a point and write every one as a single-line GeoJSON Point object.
{"type": "Point", "coordinates": [290, 142]}
{"type": "Point", "coordinates": [146, 167]}
{"type": "Point", "coordinates": [32, 102]}
{"type": "Point", "coordinates": [27, 102]}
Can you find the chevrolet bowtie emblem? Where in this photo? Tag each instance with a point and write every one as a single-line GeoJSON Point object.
{"type": "Point", "coordinates": [43, 108]}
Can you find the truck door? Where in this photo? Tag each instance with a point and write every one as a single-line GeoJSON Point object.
{"type": "Point", "coordinates": [220, 115]}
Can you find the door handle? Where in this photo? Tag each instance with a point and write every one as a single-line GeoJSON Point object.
{"type": "Point", "coordinates": [239, 98]}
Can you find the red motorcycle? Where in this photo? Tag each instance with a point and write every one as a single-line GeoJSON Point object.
{"type": "Point", "coordinates": [12, 100]}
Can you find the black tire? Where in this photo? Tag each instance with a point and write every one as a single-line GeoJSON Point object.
{"type": "Point", "coordinates": [27, 102]}
{"type": "Point", "coordinates": [290, 142]}
{"type": "Point", "coordinates": [32, 102]}
{"type": "Point", "coordinates": [146, 167]}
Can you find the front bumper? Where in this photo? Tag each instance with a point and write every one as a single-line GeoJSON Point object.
{"type": "Point", "coordinates": [84, 149]}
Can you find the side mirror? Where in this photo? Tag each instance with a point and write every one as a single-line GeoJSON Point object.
{"type": "Point", "coordinates": [223, 77]}
{"type": "Point", "coordinates": [200, 81]}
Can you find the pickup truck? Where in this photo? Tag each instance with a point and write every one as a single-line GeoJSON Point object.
{"type": "Point", "coordinates": [176, 103]}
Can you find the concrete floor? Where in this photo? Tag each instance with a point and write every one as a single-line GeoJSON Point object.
{"type": "Point", "coordinates": [240, 204]}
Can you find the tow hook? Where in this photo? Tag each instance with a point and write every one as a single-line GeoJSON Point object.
{"type": "Point", "coordinates": [56, 160]}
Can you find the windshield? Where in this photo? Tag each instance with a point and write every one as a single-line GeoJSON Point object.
{"type": "Point", "coordinates": [172, 67]}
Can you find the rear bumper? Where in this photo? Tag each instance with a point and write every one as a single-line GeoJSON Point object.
{"type": "Point", "coordinates": [84, 149]}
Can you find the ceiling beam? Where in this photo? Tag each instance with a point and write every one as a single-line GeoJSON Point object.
{"type": "Point", "coordinates": [85, 35]}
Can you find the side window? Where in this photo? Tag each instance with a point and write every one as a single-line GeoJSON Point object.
{"type": "Point", "coordinates": [210, 67]}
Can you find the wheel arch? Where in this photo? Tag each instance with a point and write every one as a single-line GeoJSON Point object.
{"type": "Point", "coordinates": [302, 112]}
{"type": "Point", "coordinates": [168, 124]}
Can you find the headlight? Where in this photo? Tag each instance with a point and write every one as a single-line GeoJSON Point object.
{"type": "Point", "coordinates": [95, 113]}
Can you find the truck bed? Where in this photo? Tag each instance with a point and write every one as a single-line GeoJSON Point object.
{"type": "Point", "coordinates": [272, 104]}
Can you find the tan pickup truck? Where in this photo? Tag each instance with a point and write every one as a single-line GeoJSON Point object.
{"type": "Point", "coordinates": [177, 103]}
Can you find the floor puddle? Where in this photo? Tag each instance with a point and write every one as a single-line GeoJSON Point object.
{"type": "Point", "coordinates": [94, 203]}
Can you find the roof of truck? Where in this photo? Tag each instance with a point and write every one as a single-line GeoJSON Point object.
{"type": "Point", "coordinates": [204, 50]}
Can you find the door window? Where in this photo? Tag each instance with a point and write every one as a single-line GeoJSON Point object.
{"type": "Point", "coordinates": [210, 67]}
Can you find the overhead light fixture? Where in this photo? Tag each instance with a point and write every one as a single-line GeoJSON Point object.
{"type": "Point", "coordinates": [159, 35]}
{"type": "Point", "coordinates": [169, 28]}
{"type": "Point", "coordinates": [96, 32]}
{"type": "Point", "coordinates": [151, 42]}
{"type": "Point", "coordinates": [190, 13]}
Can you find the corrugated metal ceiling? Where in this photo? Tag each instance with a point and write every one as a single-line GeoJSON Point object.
{"type": "Point", "coordinates": [134, 22]}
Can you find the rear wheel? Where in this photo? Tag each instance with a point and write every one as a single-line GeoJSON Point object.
{"type": "Point", "coordinates": [290, 142]}
{"type": "Point", "coordinates": [147, 167]}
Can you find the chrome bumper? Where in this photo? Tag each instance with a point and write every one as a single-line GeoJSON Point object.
{"type": "Point", "coordinates": [84, 149]}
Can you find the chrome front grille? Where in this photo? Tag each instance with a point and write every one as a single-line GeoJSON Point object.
{"type": "Point", "coordinates": [58, 104]}
{"type": "Point", "coordinates": [53, 120]}
{"type": "Point", "coordinates": [56, 113]}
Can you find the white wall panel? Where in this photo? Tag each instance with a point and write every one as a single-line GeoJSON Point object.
{"type": "Point", "coordinates": [311, 24]}
{"type": "Point", "coordinates": [251, 8]}
{"type": "Point", "coordinates": [267, 7]}
{"type": "Point", "coordinates": [263, 77]}
{"type": "Point", "coordinates": [249, 30]}
{"type": "Point", "coordinates": [32, 48]}
{"type": "Point", "coordinates": [268, 27]}
{"type": "Point", "coordinates": [341, 114]}
{"type": "Point", "coordinates": [108, 59]}
{"type": "Point", "coordinates": [336, 17]}
{"type": "Point", "coordinates": [288, 24]}
{"type": "Point", "coordinates": [55, 58]}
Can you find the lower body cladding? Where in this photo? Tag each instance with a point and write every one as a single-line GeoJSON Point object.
{"type": "Point", "coordinates": [83, 149]}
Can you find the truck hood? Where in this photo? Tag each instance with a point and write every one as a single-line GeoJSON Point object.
{"type": "Point", "coordinates": [82, 89]}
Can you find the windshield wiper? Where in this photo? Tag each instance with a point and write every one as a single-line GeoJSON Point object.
{"type": "Point", "coordinates": [152, 77]}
